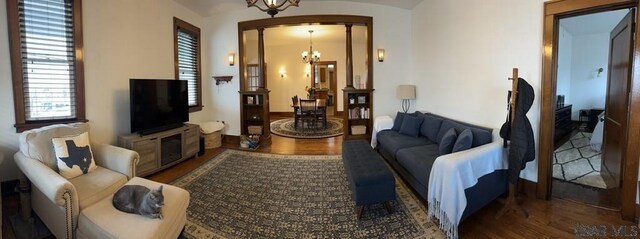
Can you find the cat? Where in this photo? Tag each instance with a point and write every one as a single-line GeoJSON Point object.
{"type": "Point", "coordinates": [79, 156]}
{"type": "Point", "coordinates": [139, 200]}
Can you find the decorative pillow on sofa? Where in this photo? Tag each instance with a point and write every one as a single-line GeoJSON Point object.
{"type": "Point", "coordinates": [74, 155]}
{"type": "Point", "coordinates": [397, 122]}
{"type": "Point", "coordinates": [430, 127]}
{"type": "Point", "coordinates": [448, 140]}
{"type": "Point", "coordinates": [464, 141]}
{"type": "Point", "coordinates": [411, 125]}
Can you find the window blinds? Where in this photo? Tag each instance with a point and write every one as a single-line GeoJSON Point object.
{"type": "Point", "coordinates": [188, 63]}
{"type": "Point", "coordinates": [47, 49]}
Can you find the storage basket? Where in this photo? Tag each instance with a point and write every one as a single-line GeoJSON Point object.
{"type": "Point", "coordinates": [213, 140]}
{"type": "Point", "coordinates": [358, 129]}
{"type": "Point", "coordinates": [255, 129]}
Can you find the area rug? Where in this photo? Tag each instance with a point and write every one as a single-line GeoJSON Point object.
{"type": "Point", "coordinates": [285, 127]}
{"type": "Point", "coordinates": [576, 162]}
{"type": "Point", "coordinates": [241, 194]}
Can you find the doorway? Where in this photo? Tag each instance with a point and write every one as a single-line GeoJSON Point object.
{"type": "Point", "coordinates": [324, 75]}
{"type": "Point", "coordinates": [582, 76]}
{"type": "Point", "coordinates": [625, 138]}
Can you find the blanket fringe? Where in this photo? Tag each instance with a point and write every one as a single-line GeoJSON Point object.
{"type": "Point", "coordinates": [448, 226]}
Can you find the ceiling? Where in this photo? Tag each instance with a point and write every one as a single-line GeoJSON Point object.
{"type": "Point", "coordinates": [207, 8]}
{"type": "Point", "coordinates": [593, 23]}
{"type": "Point", "coordinates": [300, 34]}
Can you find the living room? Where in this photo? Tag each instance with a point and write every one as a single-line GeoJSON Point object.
{"type": "Point", "coordinates": [458, 55]}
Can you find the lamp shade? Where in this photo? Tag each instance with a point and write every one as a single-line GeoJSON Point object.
{"type": "Point", "coordinates": [406, 92]}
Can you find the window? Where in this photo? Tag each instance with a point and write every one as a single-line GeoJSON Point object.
{"type": "Point", "coordinates": [45, 38]}
{"type": "Point", "coordinates": [187, 60]}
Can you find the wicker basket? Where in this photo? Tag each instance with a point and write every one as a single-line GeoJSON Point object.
{"type": "Point", "coordinates": [213, 140]}
{"type": "Point", "coordinates": [358, 130]}
{"type": "Point", "coordinates": [255, 129]}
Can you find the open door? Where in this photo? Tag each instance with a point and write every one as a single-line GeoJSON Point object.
{"type": "Point", "coordinates": [617, 103]}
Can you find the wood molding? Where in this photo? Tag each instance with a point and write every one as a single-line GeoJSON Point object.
{"type": "Point", "coordinates": [553, 12]}
{"type": "Point", "coordinates": [231, 139]}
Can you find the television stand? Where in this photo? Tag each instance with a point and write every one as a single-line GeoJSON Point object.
{"type": "Point", "coordinates": [162, 149]}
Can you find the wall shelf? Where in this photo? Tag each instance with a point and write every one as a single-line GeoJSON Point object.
{"type": "Point", "coordinates": [222, 79]}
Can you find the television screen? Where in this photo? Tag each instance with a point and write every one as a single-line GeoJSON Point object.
{"type": "Point", "coordinates": [157, 105]}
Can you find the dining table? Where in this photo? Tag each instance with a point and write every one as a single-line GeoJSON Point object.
{"type": "Point", "coordinates": [321, 107]}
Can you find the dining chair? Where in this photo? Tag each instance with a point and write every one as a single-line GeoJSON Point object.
{"type": "Point", "coordinates": [308, 112]}
{"type": "Point", "coordinates": [296, 111]}
{"type": "Point", "coordinates": [321, 112]}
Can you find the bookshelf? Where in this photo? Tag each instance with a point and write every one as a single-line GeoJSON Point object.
{"type": "Point", "coordinates": [255, 112]}
{"type": "Point", "coordinates": [358, 113]}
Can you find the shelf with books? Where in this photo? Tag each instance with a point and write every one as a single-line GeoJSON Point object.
{"type": "Point", "coordinates": [255, 112]}
{"type": "Point", "coordinates": [358, 116]}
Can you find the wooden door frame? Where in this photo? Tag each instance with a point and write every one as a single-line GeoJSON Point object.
{"type": "Point", "coordinates": [553, 12]}
{"type": "Point", "coordinates": [334, 81]}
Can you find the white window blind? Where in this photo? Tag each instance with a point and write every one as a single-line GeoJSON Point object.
{"type": "Point", "coordinates": [188, 63]}
{"type": "Point", "coordinates": [47, 49]}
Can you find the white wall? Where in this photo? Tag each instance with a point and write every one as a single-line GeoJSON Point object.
{"type": "Point", "coordinates": [563, 86]}
{"type": "Point", "coordinates": [391, 31]}
{"type": "Point", "coordinates": [123, 39]}
{"type": "Point", "coordinates": [463, 53]}
{"type": "Point", "coordinates": [588, 90]}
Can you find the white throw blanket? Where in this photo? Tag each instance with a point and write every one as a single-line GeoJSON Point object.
{"type": "Point", "coordinates": [380, 123]}
{"type": "Point", "coordinates": [210, 127]}
{"type": "Point", "coordinates": [451, 174]}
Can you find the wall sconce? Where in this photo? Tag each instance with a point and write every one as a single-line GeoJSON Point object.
{"type": "Point", "coordinates": [600, 70]}
{"type": "Point", "coordinates": [307, 70]}
{"type": "Point", "coordinates": [380, 55]}
{"type": "Point", "coordinates": [283, 72]}
{"type": "Point", "coordinates": [232, 59]}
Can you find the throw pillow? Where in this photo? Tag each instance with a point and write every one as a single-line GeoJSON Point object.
{"type": "Point", "coordinates": [411, 125]}
{"type": "Point", "coordinates": [74, 155]}
{"type": "Point", "coordinates": [464, 141]}
{"type": "Point", "coordinates": [397, 122]}
{"type": "Point", "coordinates": [446, 143]}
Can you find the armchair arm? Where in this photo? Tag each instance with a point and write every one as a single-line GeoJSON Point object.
{"type": "Point", "coordinates": [115, 158]}
{"type": "Point", "coordinates": [49, 182]}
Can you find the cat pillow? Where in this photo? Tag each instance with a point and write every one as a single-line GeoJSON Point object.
{"type": "Point", "coordinates": [73, 155]}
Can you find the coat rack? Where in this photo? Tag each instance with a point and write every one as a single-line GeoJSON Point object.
{"type": "Point", "coordinates": [511, 204]}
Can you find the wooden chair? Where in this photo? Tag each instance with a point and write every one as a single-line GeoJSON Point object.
{"type": "Point", "coordinates": [321, 112]}
{"type": "Point", "coordinates": [308, 112]}
{"type": "Point", "coordinates": [296, 111]}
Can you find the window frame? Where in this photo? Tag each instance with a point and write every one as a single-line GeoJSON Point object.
{"type": "Point", "coordinates": [15, 50]}
{"type": "Point", "coordinates": [184, 26]}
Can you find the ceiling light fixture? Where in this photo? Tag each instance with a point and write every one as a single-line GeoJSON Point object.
{"type": "Point", "coordinates": [310, 56]}
{"type": "Point", "coordinates": [273, 7]}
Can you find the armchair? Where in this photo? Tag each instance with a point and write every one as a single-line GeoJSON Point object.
{"type": "Point", "coordinates": [59, 201]}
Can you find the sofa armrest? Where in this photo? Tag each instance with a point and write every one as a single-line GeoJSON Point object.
{"type": "Point", "coordinates": [380, 123]}
{"type": "Point", "coordinates": [49, 182]}
{"type": "Point", "coordinates": [115, 158]}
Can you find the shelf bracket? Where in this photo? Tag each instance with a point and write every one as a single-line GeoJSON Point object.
{"type": "Point", "coordinates": [222, 79]}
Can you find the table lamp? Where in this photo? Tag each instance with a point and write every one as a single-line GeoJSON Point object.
{"type": "Point", "coordinates": [406, 93]}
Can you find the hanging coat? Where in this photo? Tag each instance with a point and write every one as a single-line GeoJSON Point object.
{"type": "Point", "coordinates": [522, 147]}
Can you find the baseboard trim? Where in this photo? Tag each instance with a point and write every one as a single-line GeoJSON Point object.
{"type": "Point", "coordinates": [231, 139]}
{"type": "Point", "coordinates": [527, 188]}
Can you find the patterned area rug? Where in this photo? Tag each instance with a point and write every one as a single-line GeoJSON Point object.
{"type": "Point", "coordinates": [285, 127]}
{"type": "Point", "coordinates": [576, 162]}
{"type": "Point", "coordinates": [242, 194]}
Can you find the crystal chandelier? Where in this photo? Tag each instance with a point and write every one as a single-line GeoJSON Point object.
{"type": "Point", "coordinates": [315, 55]}
{"type": "Point", "coordinates": [273, 7]}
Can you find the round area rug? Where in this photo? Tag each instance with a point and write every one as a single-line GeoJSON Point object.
{"type": "Point", "coordinates": [284, 127]}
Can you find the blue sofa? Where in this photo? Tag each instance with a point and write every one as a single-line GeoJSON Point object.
{"type": "Point", "coordinates": [412, 156]}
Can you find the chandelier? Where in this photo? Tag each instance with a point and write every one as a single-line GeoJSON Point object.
{"type": "Point", "coordinates": [273, 7]}
{"type": "Point", "coordinates": [310, 56]}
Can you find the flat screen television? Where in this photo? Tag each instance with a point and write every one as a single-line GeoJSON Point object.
{"type": "Point", "coordinates": [157, 105]}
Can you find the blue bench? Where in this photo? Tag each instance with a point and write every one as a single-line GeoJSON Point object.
{"type": "Point", "coordinates": [369, 177]}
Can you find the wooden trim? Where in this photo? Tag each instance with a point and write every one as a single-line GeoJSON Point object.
{"type": "Point", "coordinates": [17, 75]}
{"type": "Point", "coordinates": [231, 139]}
{"type": "Point", "coordinates": [333, 83]}
{"type": "Point", "coordinates": [553, 12]}
{"type": "Point", "coordinates": [195, 32]}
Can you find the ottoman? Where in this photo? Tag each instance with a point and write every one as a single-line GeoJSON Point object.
{"type": "Point", "coordinates": [102, 220]}
{"type": "Point", "coordinates": [369, 177]}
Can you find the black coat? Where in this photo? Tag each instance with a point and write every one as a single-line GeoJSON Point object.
{"type": "Point", "coordinates": [522, 147]}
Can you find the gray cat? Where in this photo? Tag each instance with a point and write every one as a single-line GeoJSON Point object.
{"type": "Point", "coordinates": [139, 200]}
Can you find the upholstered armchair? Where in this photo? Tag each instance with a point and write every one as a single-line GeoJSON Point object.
{"type": "Point", "coordinates": [58, 201]}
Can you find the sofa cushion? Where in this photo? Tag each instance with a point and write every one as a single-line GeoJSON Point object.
{"type": "Point", "coordinates": [411, 125]}
{"type": "Point", "coordinates": [392, 141]}
{"type": "Point", "coordinates": [397, 122]}
{"type": "Point", "coordinates": [445, 146]}
{"type": "Point", "coordinates": [418, 161]}
{"type": "Point", "coordinates": [97, 185]}
{"type": "Point", "coordinates": [36, 143]}
{"type": "Point", "coordinates": [480, 136]}
{"type": "Point", "coordinates": [430, 127]}
{"type": "Point", "coordinates": [463, 142]}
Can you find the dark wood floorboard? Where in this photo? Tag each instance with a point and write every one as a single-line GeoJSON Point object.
{"type": "Point", "coordinates": [548, 219]}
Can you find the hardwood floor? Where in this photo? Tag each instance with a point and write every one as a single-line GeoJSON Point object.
{"type": "Point", "coordinates": [556, 218]}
